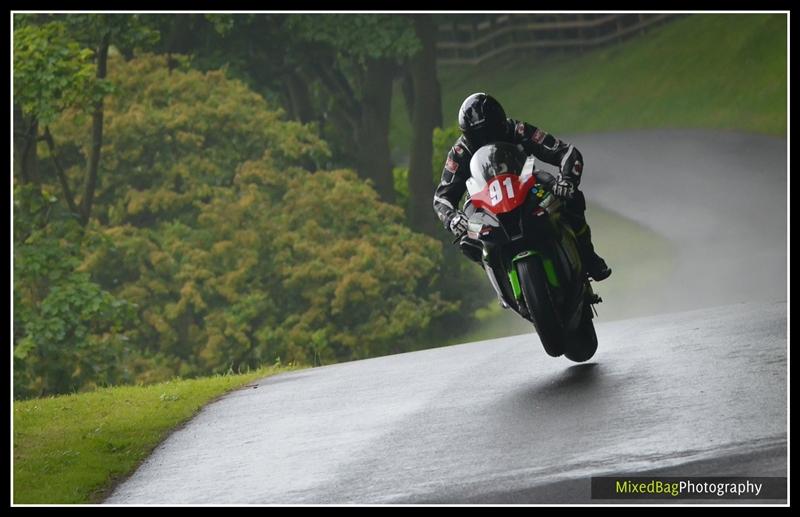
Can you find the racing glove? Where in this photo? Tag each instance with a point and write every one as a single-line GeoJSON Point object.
{"type": "Point", "coordinates": [564, 189]}
{"type": "Point", "coordinates": [458, 224]}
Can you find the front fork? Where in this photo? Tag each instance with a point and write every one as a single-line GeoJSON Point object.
{"type": "Point", "coordinates": [549, 270]}
{"type": "Point", "coordinates": [590, 298]}
{"type": "Point", "coordinates": [513, 280]}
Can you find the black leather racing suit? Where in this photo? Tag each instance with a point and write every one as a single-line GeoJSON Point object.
{"type": "Point", "coordinates": [532, 141]}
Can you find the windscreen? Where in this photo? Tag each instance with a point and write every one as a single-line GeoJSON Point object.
{"type": "Point", "coordinates": [491, 161]}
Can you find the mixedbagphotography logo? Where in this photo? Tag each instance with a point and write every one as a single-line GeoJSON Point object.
{"type": "Point", "coordinates": [623, 487]}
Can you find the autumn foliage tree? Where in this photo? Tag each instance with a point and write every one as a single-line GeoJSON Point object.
{"type": "Point", "coordinates": [171, 221]}
{"type": "Point", "coordinates": [231, 252]}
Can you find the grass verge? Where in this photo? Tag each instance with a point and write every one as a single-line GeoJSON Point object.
{"type": "Point", "coordinates": [714, 71]}
{"type": "Point", "coordinates": [75, 448]}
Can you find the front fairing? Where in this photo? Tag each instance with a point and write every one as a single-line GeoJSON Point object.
{"type": "Point", "coordinates": [483, 169]}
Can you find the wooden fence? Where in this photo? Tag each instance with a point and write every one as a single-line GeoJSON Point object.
{"type": "Point", "coordinates": [471, 39]}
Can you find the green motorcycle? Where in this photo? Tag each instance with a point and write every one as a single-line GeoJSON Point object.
{"type": "Point", "coordinates": [530, 256]}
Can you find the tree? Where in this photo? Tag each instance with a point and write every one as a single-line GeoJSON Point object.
{"type": "Point", "coordinates": [257, 49]}
{"type": "Point", "coordinates": [68, 331]}
{"type": "Point", "coordinates": [368, 51]}
{"type": "Point", "coordinates": [234, 254]}
{"type": "Point", "coordinates": [51, 73]}
{"type": "Point", "coordinates": [127, 31]}
{"type": "Point", "coordinates": [211, 220]}
{"type": "Point", "coordinates": [336, 70]}
{"type": "Point", "coordinates": [426, 113]}
{"type": "Point", "coordinates": [173, 134]}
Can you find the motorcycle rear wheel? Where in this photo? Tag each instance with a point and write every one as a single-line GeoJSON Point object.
{"type": "Point", "coordinates": [582, 343]}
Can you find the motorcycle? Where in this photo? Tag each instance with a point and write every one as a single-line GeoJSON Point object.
{"type": "Point", "coordinates": [529, 254]}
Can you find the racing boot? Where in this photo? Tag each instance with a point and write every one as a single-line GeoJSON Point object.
{"type": "Point", "coordinates": [595, 265]}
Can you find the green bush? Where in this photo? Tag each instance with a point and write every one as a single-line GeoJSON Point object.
{"type": "Point", "coordinates": [68, 330]}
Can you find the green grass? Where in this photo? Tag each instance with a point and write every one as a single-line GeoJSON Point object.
{"type": "Point", "coordinates": [74, 448]}
{"type": "Point", "coordinates": [717, 71]}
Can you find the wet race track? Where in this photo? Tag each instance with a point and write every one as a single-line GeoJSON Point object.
{"type": "Point", "coordinates": [697, 387]}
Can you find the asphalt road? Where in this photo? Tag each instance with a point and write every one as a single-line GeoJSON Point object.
{"type": "Point", "coordinates": [493, 421]}
{"type": "Point", "coordinates": [697, 392]}
{"type": "Point", "coordinates": [720, 198]}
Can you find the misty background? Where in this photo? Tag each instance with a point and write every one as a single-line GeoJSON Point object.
{"type": "Point", "coordinates": [206, 193]}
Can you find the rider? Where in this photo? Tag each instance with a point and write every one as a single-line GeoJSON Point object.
{"type": "Point", "coordinates": [482, 120]}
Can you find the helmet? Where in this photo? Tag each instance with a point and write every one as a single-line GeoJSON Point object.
{"type": "Point", "coordinates": [481, 119]}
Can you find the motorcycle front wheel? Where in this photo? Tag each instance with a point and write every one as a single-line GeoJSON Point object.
{"type": "Point", "coordinates": [536, 293]}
